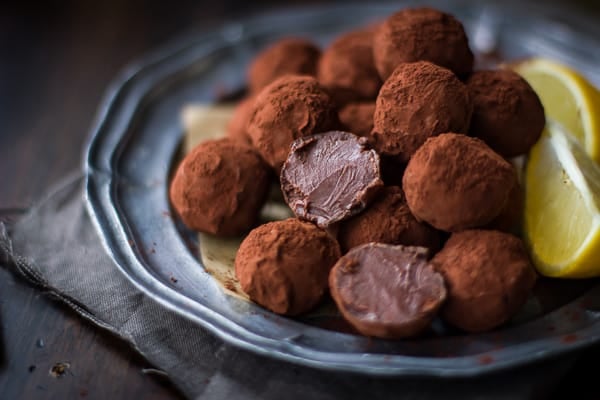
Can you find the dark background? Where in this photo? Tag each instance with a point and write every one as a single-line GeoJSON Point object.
{"type": "Point", "coordinates": [56, 60]}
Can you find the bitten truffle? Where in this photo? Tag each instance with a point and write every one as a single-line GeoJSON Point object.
{"type": "Point", "coordinates": [508, 114]}
{"type": "Point", "coordinates": [488, 276]}
{"type": "Point", "coordinates": [422, 34]}
{"type": "Point", "coordinates": [289, 108]}
{"type": "Point", "coordinates": [284, 265]}
{"type": "Point", "coordinates": [329, 177]}
{"type": "Point", "coordinates": [456, 182]}
{"type": "Point", "coordinates": [347, 69]}
{"type": "Point", "coordinates": [289, 56]}
{"type": "Point", "coordinates": [387, 291]}
{"type": "Point", "coordinates": [387, 220]}
{"type": "Point", "coordinates": [357, 118]}
{"type": "Point", "coordinates": [237, 128]}
{"type": "Point", "coordinates": [419, 100]}
{"type": "Point", "coordinates": [220, 187]}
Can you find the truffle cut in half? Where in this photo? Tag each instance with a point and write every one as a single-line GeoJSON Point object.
{"type": "Point", "coordinates": [387, 291]}
{"type": "Point", "coordinates": [329, 177]}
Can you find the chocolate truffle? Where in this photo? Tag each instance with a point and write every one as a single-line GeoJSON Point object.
{"type": "Point", "coordinates": [357, 118]}
{"type": "Point", "coordinates": [347, 67]}
{"type": "Point", "coordinates": [289, 56]}
{"type": "Point", "coordinates": [329, 177]}
{"type": "Point", "coordinates": [284, 265]}
{"type": "Point", "coordinates": [422, 34]}
{"type": "Point", "coordinates": [289, 108]}
{"type": "Point", "coordinates": [387, 291]}
{"type": "Point", "coordinates": [509, 219]}
{"type": "Point", "coordinates": [237, 128]}
{"type": "Point", "coordinates": [387, 220]}
{"type": "Point", "coordinates": [419, 100]}
{"type": "Point", "coordinates": [456, 182]}
{"type": "Point", "coordinates": [488, 276]}
{"type": "Point", "coordinates": [507, 114]}
{"type": "Point", "coordinates": [220, 187]}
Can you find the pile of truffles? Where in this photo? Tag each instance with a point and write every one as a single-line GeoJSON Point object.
{"type": "Point", "coordinates": [393, 155]}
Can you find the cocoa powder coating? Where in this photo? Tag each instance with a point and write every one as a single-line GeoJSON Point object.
{"type": "Point", "coordinates": [284, 265]}
{"type": "Point", "coordinates": [387, 220]}
{"type": "Point", "coordinates": [237, 128]}
{"type": "Point", "coordinates": [419, 100]}
{"type": "Point", "coordinates": [289, 108]}
{"type": "Point", "coordinates": [357, 118]}
{"type": "Point", "coordinates": [220, 187]}
{"type": "Point", "coordinates": [387, 291]}
{"type": "Point", "coordinates": [509, 219]}
{"type": "Point", "coordinates": [422, 34]}
{"type": "Point", "coordinates": [289, 56]}
{"type": "Point", "coordinates": [346, 66]}
{"type": "Point", "coordinates": [508, 114]}
{"type": "Point", "coordinates": [456, 182]}
{"type": "Point", "coordinates": [488, 276]}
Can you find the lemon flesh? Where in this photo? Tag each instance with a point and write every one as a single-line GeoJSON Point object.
{"type": "Point", "coordinates": [562, 207]}
{"type": "Point", "coordinates": [568, 99]}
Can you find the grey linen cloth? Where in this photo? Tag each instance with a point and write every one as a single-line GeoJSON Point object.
{"type": "Point", "coordinates": [56, 247]}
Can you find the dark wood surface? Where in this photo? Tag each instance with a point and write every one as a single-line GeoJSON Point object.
{"type": "Point", "coordinates": [56, 59]}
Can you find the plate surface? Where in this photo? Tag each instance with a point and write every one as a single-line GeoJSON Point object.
{"type": "Point", "coordinates": [136, 139]}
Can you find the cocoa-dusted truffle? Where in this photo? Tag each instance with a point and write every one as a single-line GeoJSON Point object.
{"type": "Point", "coordinates": [509, 219]}
{"type": "Point", "coordinates": [419, 100]}
{"type": "Point", "coordinates": [507, 114]}
{"type": "Point", "coordinates": [289, 108]}
{"type": "Point", "coordinates": [456, 182]}
{"type": "Point", "coordinates": [387, 291]}
{"type": "Point", "coordinates": [488, 276]}
{"type": "Point", "coordinates": [357, 118]}
{"type": "Point", "coordinates": [237, 128]}
{"type": "Point", "coordinates": [329, 177]}
{"type": "Point", "coordinates": [284, 265]}
{"type": "Point", "coordinates": [347, 67]}
{"type": "Point", "coordinates": [289, 56]}
{"type": "Point", "coordinates": [422, 34]}
{"type": "Point", "coordinates": [387, 220]}
{"type": "Point", "coordinates": [220, 187]}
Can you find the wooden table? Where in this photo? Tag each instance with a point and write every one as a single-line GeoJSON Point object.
{"type": "Point", "coordinates": [56, 59]}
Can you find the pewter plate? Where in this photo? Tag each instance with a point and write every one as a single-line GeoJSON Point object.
{"type": "Point", "coordinates": [135, 141]}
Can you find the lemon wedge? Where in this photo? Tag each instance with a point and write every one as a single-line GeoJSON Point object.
{"type": "Point", "coordinates": [568, 99]}
{"type": "Point", "coordinates": [562, 207]}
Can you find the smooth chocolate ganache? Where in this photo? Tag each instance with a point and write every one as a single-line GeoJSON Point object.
{"type": "Point", "coordinates": [488, 276]}
{"type": "Point", "coordinates": [284, 265]}
{"type": "Point", "coordinates": [329, 177]}
{"type": "Point", "coordinates": [387, 291]}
